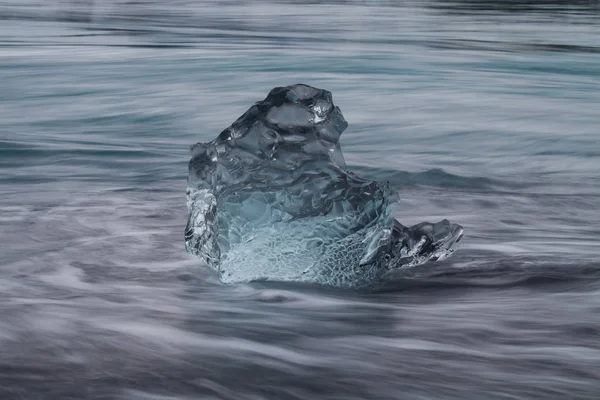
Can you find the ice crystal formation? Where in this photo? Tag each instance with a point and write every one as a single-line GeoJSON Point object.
{"type": "Point", "coordinates": [271, 199]}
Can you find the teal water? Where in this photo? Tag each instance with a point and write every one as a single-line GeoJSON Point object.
{"type": "Point", "coordinates": [483, 112]}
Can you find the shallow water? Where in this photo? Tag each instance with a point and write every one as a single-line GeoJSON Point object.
{"type": "Point", "coordinates": [484, 112]}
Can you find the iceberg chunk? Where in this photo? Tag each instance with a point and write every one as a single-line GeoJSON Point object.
{"type": "Point", "coordinates": [270, 199]}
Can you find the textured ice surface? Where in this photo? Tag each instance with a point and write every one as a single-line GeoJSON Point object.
{"type": "Point", "coordinates": [270, 199]}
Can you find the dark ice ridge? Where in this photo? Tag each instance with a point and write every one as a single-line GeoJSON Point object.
{"type": "Point", "coordinates": [270, 199]}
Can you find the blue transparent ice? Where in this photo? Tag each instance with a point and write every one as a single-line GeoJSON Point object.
{"type": "Point", "coordinates": [270, 199]}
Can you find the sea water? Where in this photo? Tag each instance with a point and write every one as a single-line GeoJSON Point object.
{"type": "Point", "coordinates": [483, 112]}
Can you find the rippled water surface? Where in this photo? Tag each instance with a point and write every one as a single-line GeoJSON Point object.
{"type": "Point", "coordinates": [484, 112]}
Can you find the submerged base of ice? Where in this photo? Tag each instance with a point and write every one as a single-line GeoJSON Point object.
{"type": "Point", "coordinates": [270, 199]}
